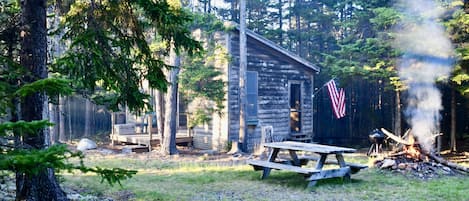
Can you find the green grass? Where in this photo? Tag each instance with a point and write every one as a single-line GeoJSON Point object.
{"type": "Point", "coordinates": [180, 180]}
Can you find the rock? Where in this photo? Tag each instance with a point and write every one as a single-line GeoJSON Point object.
{"type": "Point", "coordinates": [106, 151]}
{"type": "Point", "coordinates": [11, 188]}
{"type": "Point", "coordinates": [74, 196]}
{"type": "Point", "coordinates": [86, 144]}
{"type": "Point", "coordinates": [388, 163]}
{"type": "Point", "coordinates": [447, 169]}
{"type": "Point", "coordinates": [402, 166]}
{"type": "Point", "coordinates": [237, 155]}
{"type": "Point", "coordinates": [126, 150]}
{"type": "Point", "coordinates": [209, 152]}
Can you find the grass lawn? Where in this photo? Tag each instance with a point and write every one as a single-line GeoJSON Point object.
{"type": "Point", "coordinates": [202, 179]}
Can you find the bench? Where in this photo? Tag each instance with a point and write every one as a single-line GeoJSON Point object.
{"type": "Point", "coordinates": [354, 167]}
{"type": "Point", "coordinates": [312, 175]}
{"type": "Point", "coordinates": [261, 165]}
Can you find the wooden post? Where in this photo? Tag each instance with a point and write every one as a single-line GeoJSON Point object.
{"type": "Point", "coordinates": [319, 165]}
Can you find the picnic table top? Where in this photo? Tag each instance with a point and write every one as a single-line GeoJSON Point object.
{"type": "Point", "coordinates": [316, 148]}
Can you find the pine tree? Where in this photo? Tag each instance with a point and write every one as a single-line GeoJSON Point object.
{"type": "Point", "coordinates": [100, 44]}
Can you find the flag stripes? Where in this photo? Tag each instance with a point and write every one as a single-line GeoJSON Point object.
{"type": "Point", "coordinates": [337, 99]}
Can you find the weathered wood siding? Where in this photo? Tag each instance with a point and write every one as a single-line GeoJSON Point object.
{"type": "Point", "coordinates": [275, 71]}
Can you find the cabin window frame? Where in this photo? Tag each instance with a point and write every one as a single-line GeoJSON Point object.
{"type": "Point", "coordinates": [252, 97]}
{"type": "Point", "coordinates": [300, 108]}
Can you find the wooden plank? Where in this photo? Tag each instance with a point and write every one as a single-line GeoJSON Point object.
{"type": "Point", "coordinates": [316, 148]}
{"type": "Point", "coordinates": [279, 166]}
{"type": "Point", "coordinates": [355, 167]}
{"type": "Point", "coordinates": [143, 139]}
{"type": "Point", "coordinates": [294, 157]}
{"type": "Point", "coordinates": [340, 160]}
{"type": "Point", "coordinates": [326, 174]}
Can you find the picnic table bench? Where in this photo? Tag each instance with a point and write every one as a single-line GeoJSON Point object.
{"type": "Point", "coordinates": [312, 175]}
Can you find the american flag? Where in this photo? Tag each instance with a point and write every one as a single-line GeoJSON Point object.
{"type": "Point", "coordinates": [337, 99]}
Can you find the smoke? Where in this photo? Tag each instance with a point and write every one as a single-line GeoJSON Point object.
{"type": "Point", "coordinates": [427, 57]}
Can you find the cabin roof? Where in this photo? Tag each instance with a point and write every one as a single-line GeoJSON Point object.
{"type": "Point", "coordinates": [279, 49]}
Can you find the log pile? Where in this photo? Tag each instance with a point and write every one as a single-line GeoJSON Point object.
{"type": "Point", "coordinates": [408, 158]}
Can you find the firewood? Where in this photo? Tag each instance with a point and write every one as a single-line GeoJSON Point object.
{"type": "Point", "coordinates": [394, 137]}
{"type": "Point", "coordinates": [406, 133]}
{"type": "Point", "coordinates": [397, 153]}
{"type": "Point", "coordinates": [447, 163]}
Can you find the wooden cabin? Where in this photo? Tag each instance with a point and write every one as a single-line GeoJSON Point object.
{"type": "Point", "coordinates": [279, 96]}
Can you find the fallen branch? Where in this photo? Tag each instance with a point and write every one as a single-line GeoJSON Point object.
{"type": "Point", "coordinates": [447, 163]}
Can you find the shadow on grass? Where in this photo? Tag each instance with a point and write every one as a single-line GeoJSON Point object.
{"type": "Point", "coordinates": [298, 181]}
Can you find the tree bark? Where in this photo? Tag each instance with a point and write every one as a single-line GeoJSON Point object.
{"type": "Point", "coordinates": [242, 80]}
{"type": "Point", "coordinates": [33, 56]}
{"type": "Point", "coordinates": [169, 141]}
{"type": "Point", "coordinates": [453, 121]}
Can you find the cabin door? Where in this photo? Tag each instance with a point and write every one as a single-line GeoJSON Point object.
{"type": "Point", "coordinates": [295, 107]}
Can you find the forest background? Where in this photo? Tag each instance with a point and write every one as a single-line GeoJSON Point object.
{"type": "Point", "coordinates": [353, 42]}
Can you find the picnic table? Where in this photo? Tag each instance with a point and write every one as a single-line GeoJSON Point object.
{"type": "Point", "coordinates": [294, 164]}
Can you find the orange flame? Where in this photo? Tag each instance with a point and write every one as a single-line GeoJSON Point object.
{"type": "Point", "coordinates": [411, 150]}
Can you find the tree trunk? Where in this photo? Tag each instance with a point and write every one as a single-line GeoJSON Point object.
{"type": "Point", "coordinates": [453, 121]}
{"type": "Point", "coordinates": [397, 121]}
{"type": "Point", "coordinates": [54, 118]}
{"type": "Point", "coordinates": [169, 141]}
{"type": "Point", "coordinates": [62, 136]}
{"type": "Point", "coordinates": [88, 108]}
{"type": "Point", "coordinates": [290, 26]}
{"type": "Point", "coordinates": [242, 75]}
{"type": "Point", "coordinates": [298, 28]}
{"type": "Point", "coordinates": [42, 186]}
{"type": "Point", "coordinates": [159, 115]}
{"type": "Point", "coordinates": [234, 14]}
{"type": "Point", "coordinates": [33, 55]}
{"type": "Point", "coordinates": [280, 22]}
{"type": "Point", "coordinates": [69, 113]}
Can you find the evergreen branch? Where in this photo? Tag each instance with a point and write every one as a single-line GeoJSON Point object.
{"type": "Point", "coordinates": [52, 86]}
{"type": "Point", "coordinates": [112, 176]}
{"type": "Point", "coordinates": [22, 127]}
{"type": "Point", "coordinates": [57, 157]}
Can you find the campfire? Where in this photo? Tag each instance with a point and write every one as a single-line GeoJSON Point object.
{"type": "Point", "coordinates": [410, 157]}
